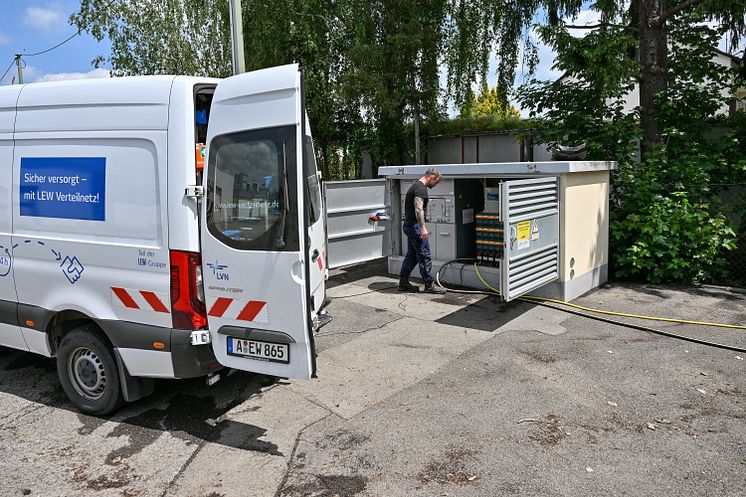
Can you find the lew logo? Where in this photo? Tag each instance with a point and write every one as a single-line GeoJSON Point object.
{"type": "Point", "coordinates": [219, 270]}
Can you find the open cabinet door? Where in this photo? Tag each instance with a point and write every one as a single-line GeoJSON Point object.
{"type": "Point", "coordinates": [255, 236]}
{"type": "Point", "coordinates": [530, 208]}
{"type": "Point", "coordinates": [358, 220]}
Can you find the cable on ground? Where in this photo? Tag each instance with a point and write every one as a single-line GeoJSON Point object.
{"type": "Point", "coordinates": [543, 302]}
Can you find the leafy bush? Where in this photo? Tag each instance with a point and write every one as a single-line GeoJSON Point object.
{"type": "Point", "coordinates": [672, 239]}
{"type": "Point", "coordinates": [667, 223]}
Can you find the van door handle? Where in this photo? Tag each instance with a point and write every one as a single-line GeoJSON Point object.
{"type": "Point", "coordinates": [315, 255]}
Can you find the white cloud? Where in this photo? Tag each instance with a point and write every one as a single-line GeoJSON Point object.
{"type": "Point", "coordinates": [32, 74]}
{"type": "Point", "coordinates": [62, 76]}
{"type": "Point", "coordinates": [44, 19]}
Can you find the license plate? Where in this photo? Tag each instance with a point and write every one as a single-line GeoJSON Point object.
{"type": "Point", "coordinates": [261, 351]}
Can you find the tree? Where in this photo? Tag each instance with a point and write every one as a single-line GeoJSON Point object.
{"type": "Point", "coordinates": [479, 29]}
{"type": "Point", "coordinates": [393, 68]}
{"type": "Point", "coordinates": [587, 105]}
{"type": "Point", "coordinates": [491, 102]}
{"type": "Point", "coordinates": [648, 22]}
{"type": "Point", "coordinates": [160, 36]}
{"type": "Point", "coordinates": [668, 221]}
{"type": "Point", "coordinates": [370, 66]}
{"type": "Point", "coordinates": [373, 67]}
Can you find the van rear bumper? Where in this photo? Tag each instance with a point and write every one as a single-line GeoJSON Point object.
{"type": "Point", "coordinates": [189, 361]}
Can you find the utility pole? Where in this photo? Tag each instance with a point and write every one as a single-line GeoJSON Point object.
{"type": "Point", "coordinates": [417, 158]}
{"type": "Point", "coordinates": [20, 69]}
{"type": "Point", "coordinates": [239, 64]}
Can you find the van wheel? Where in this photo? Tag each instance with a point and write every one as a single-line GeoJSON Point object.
{"type": "Point", "coordinates": [88, 372]}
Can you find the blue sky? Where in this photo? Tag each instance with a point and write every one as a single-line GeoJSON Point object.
{"type": "Point", "coordinates": [33, 26]}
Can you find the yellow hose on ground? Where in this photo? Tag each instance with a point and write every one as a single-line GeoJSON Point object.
{"type": "Point", "coordinates": [532, 298]}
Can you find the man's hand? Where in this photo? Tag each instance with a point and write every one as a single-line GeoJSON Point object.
{"type": "Point", "coordinates": [424, 232]}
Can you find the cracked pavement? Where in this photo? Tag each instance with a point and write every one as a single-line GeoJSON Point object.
{"type": "Point", "coordinates": [417, 395]}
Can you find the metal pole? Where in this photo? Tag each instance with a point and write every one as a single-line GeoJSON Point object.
{"type": "Point", "coordinates": [417, 158]}
{"type": "Point", "coordinates": [20, 69]}
{"type": "Point", "coordinates": [239, 65]}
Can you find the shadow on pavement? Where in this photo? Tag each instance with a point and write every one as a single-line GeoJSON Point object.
{"type": "Point", "coordinates": [488, 314]}
{"type": "Point", "coordinates": [187, 409]}
{"type": "Point", "coordinates": [672, 291]}
{"type": "Point", "coordinates": [378, 267]}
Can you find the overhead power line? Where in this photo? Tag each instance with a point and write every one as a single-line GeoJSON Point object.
{"type": "Point", "coordinates": [19, 56]}
{"type": "Point", "coordinates": [77, 33]}
{"type": "Point", "coordinates": [8, 69]}
{"type": "Point", "coordinates": [51, 48]}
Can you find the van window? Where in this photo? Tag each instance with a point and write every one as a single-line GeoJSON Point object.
{"type": "Point", "coordinates": [251, 191]}
{"type": "Point", "coordinates": [313, 189]}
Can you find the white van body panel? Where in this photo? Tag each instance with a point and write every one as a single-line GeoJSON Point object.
{"type": "Point", "coordinates": [10, 333]}
{"type": "Point", "coordinates": [183, 211]}
{"type": "Point", "coordinates": [37, 342]}
{"type": "Point", "coordinates": [67, 263]}
{"type": "Point", "coordinates": [115, 104]}
{"type": "Point", "coordinates": [74, 263]}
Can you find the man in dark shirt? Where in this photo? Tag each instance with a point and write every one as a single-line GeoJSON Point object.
{"type": "Point", "coordinates": [418, 243]}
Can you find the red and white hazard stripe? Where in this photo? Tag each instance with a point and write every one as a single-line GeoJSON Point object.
{"type": "Point", "coordinates": [241, 310]}
{"type": "Point", "coordinates": [140, 299]}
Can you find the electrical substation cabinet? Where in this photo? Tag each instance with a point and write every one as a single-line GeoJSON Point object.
{"type": "Point", "coordinates": [539, 227]}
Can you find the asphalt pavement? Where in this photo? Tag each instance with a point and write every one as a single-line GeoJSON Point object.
{"type": "Point", "coordinates": [418, 395]}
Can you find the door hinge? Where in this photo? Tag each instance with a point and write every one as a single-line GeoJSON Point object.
{"type": "Point", "coordinates": [194, 191]}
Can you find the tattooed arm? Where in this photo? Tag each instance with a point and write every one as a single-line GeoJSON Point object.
{"type": "Point", "coordinates": [419, 211]}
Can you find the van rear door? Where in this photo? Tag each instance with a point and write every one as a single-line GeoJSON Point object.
{"type": "Point", "coordinates": [254, 237]}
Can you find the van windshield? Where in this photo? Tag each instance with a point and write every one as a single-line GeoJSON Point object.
{"type": "Point", "coordinates": [251, 190]}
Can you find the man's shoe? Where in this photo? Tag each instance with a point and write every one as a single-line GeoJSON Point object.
{"type": "Point", "coordinates": [435, 289]}
{"type": "Point", "coordinates": [406, 286]}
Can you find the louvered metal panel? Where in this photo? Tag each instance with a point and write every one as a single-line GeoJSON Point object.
{"type": "Point", "coordinates": [532, 235]}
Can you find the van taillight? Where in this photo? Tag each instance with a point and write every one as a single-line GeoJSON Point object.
{"type": "Point", "coordinates": [187, 300]}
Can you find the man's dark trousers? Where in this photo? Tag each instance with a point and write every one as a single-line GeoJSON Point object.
{"type": "Point", "coordinates": [418, 252]}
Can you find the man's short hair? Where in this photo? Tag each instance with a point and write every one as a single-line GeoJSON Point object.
{"type": "Point", "coordinates": [433, 172]}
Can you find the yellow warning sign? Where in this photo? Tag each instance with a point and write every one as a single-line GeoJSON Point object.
{"type": "Point", "coordinates": [524, 230]}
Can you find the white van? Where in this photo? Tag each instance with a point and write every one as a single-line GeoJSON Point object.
{"type": "Point", "coordinates": [126, 261]}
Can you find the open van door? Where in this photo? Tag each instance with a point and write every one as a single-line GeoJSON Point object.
{"type": "Point", "coordinates": [256, 248]}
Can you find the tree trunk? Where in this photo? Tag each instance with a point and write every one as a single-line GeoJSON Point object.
{"type": "Point", "coordinates": [653, 55]}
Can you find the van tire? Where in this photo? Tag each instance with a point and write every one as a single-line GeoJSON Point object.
{"type": "Point", "coordinates": [88, 371]}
